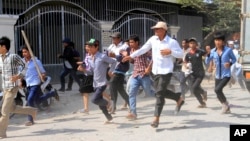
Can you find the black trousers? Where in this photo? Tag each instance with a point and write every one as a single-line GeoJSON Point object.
{"type": "Point", "coordinates": [161, 92]}
{"type": "Point", "coordinates": [219, 85]}
{"type": "Point", "coordinates": [116, 85]}
{"type": "Point", "coordinates": [197, 89]}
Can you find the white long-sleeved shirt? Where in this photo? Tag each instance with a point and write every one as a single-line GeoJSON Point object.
{"type": "Point", "coordinates": [117, 48]}
{"type": "Point", "coordinates": [162, 64]}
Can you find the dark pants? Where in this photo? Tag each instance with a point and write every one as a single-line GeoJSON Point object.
{"type": "Point", "coordinates": [219, 85]}
{"type": "Point", "coordinates": [98, 99]}
{"type": "Point", "coordinates": [185, 82]}
{"type": "Point", "coordinates": [161, 92]}
{"type": "Point", "coordinates": [64, 73]}
{"type": "Point", "coordinates": [70, 82]}
{"type": "Point", "coordinates": [116, 85]}
{"type": "Point", "coordinates": [197, 89]}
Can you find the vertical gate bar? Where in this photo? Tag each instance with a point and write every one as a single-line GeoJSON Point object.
{"type": "Point", "coordinates": [55, 29]}
{"type": "Point", "coordinates": [106, 11]}
{"type": "Point", "coordinates": [71, 27]}
{"type": "Point", "coordinates": [52, 41]}
{"type": "Point", "coordinates": [144, 27]}
{"type": "Point", "coordinates": [15, 39]}
{"type": "Point", "coordinates": [128, 27]}
{"type": "Point", "coordinates": [39, 34]}
{"type": "Point", "coordinates": [1, 6]}
{"type": "Point", "coordinates": [45, 29]}
{"type": "Point", "coordinates": [83, 35]}
{"type": "Point", "coordinates": [62, 14]}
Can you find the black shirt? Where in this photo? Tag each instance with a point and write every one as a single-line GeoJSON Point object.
{"type": "Point", "coordinates": [196, 60]}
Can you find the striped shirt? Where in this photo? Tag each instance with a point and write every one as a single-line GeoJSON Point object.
{"type": "Point", "coordinates": [10, 65]}
{"type": "Point", "coordinates": [140, 64]}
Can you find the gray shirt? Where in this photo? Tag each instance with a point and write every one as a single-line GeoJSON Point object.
{"type": "Point", "coordinates": [98, 68]}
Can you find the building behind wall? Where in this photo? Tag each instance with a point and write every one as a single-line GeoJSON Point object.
{"type": "Point", "coordinates": [47, 22]}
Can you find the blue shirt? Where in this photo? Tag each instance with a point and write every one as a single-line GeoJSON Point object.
{"type": "Point", "coordinates": [98, 66]}
{"type": "Point", "coordinates": [162, 64]}
{"type": "Point", "coordinates": [227, 56]}
{"type": "Point", "coordinates": [32, 77]}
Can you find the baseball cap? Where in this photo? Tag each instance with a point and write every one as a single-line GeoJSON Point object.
{"type": "Point", "coordinates": [66, 40]}
{"type": "Point", "coordinates": [192, 39]}
{"type": "Point", "coordinates": [230, 42]}
{"type": "Point", "coordinates": [160, 24]}
{"type": "Point", "coordinates": [116, 35]}
{"type": "Point", "coordinates": [93, 42]}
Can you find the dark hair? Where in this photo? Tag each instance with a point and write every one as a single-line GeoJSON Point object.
{"type": "Point", "coordinates": [23, 47]}
{"type": "Point", "coordinates": [135, 38]}
{"type": "Point", "coordinates": [72, 44]}
{"type": "Point", "coordinates": [97, 43]}
{"type": "Point", "coordinates": [219, 35]}
{"type": "Point", "coordinates": [5, 41]}
{"type": "Point", "coordinates": [186, 40]}
{"type": "Point", "coordinates": [26, 48]}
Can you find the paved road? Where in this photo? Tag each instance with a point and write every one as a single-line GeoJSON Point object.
{"type": "Point", "coordinates": [62, 122]}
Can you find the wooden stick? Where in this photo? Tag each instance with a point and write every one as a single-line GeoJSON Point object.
{"type": "Point", "coordinates": [32, 55]}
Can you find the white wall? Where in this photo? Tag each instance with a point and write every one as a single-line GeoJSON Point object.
{"type": "Point", "coordinates": [7, 23]}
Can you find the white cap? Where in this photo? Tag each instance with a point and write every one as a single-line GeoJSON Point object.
{"type": "Point", "coordinates": [230, 42]}
{"type": "Point", "coordinates": [160, 24]}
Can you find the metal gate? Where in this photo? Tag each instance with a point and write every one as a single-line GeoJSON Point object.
{"type": "Point", "coordinates": [137, 21]}
{"type": "Point", "coordinates": [46, 24]}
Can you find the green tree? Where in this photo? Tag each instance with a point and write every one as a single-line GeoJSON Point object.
{"type": "Point", "coordinates": [220, 15]}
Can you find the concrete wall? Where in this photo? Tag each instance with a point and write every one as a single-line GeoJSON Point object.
{"type": "Point", "coordinates": [190, 26]}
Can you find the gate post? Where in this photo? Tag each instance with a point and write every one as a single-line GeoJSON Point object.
{"type": "Point", "coordinates": [7, 23]}
{"type": "Point", "coordinates": [173, 31]}
{"type": "Point", "coordinates": [106, 28]}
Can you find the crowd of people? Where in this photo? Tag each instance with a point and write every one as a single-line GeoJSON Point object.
{"type": "Point", "coordinates": [150, 66]}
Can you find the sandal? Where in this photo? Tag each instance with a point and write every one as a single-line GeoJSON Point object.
{"type": "Point", "coordinates": [155, 124]}
{"type": "Point", "coordinates": [29, 123]}
{"type": "Point", "coordinates": [84, 111]}
{"type": "Point", "coordinates": [179, 105]}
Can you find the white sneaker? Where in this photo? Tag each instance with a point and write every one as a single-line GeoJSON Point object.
{"type": "Point", "coordinates": [109, 122]}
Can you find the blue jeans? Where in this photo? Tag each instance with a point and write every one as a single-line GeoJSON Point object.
{"type": "Point", "coordinates": [135, 83]}
{"type": "Point", "coordinates": [35, 96]}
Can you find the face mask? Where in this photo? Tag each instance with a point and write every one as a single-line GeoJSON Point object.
{"type": "Point", "coordinates": [236, 46]}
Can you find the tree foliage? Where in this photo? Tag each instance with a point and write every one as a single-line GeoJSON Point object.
{"type": "Point", "coordinates": [220, 15]}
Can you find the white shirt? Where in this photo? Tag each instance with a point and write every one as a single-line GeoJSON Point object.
{"type": "Point", "coordinates": [162, 64]}
{"type": "Point", "coordinates": [237, 56]}
{"type": "Point", "coordinates": [183, 67]}
{"type": "Point", "coordinates": [116, 49]}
